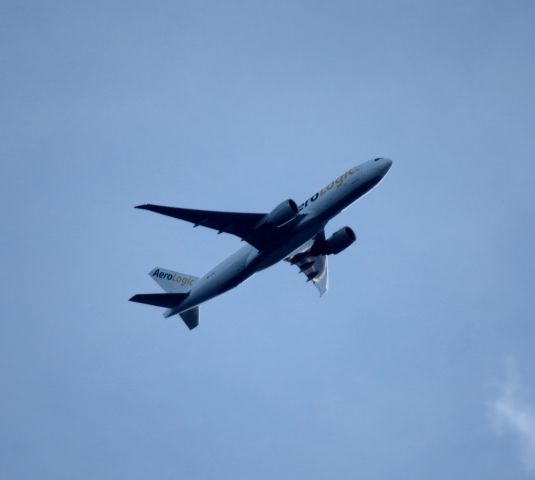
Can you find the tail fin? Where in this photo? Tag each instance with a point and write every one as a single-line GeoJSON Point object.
{"type": "Point", "coordinates": [173, 282]}
{"type": "Point", "coordinates": [178, 286]}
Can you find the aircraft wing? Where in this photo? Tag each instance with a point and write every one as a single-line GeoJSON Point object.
{"type": "Point", "coordinates": [312, 263]}
{"type": "Point", "coordinates": [243, 225]}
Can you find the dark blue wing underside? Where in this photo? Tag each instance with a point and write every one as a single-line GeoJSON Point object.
{"type": "Point", "coordinates": [243, 225]}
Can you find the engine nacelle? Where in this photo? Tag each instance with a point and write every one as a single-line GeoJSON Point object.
{"type": "Point", "coordinates": [282, 213]}
{"type": "Point", "coordinates": [339, 241]}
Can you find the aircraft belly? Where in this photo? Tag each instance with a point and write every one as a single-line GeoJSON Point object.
{"type": "Point", "coordinates": [280, 250]}
{"type": "Point", "coordinates": [227, 275]}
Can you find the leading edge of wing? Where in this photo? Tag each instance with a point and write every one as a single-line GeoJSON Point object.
{"type": "Point", "coordinates": [240, 224]}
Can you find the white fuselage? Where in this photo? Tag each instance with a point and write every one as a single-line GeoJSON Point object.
{"type": "Point", "coordinates": [313, 215]}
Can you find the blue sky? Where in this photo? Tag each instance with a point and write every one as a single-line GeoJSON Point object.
{"type": "Point", "coordinates": [418, 363]}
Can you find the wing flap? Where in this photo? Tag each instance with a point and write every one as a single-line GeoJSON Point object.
{"type": "Point", "coordinates": [312, 263]}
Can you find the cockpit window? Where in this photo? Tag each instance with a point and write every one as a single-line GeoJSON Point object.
{"type": "Point", "coordinates": [376, 159]}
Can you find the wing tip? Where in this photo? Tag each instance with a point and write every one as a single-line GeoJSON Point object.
{"type": "Point", "coordinates": [135, 298]}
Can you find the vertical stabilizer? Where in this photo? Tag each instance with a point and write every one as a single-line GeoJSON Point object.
{"type": "Point", "coordinates": [177, 283]}
{"type": "Point", "coordinates": [173, 282]}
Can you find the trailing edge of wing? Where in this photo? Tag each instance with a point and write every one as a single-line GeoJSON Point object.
{"type": "Point", "coordinates": [242, 225]}
{"type": "Point", "coordinates": [312, 262]}
{"type": "Point", "coordinates": [167, 300]}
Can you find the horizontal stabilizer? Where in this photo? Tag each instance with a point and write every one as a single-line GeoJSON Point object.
{"type": "Point", "coordinates": [191, 317]}
{"type": "Point", "coordinates": [167, 300]}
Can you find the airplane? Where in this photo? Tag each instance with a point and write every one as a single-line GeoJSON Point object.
{"type": "Point", "coordinates": [291, 232]}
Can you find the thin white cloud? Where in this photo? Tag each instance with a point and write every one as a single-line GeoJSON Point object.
{"type": "Point", "coordinates": [510, 414]}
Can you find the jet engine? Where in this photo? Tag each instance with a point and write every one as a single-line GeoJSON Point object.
{"type": "Point", "coordinates": [282, 213]}
{"type": "Point", "coordinates": [339, 241]}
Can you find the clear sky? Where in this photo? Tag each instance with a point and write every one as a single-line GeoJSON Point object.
{"type": "Point", "coordinates": [418, 363]}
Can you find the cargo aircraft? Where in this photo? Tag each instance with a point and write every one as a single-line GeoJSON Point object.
{"type": "Point", "coordinates": [295, 233]}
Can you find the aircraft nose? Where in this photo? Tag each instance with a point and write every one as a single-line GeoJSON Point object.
{"type": "Point", "coordinates": [383, 164]}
